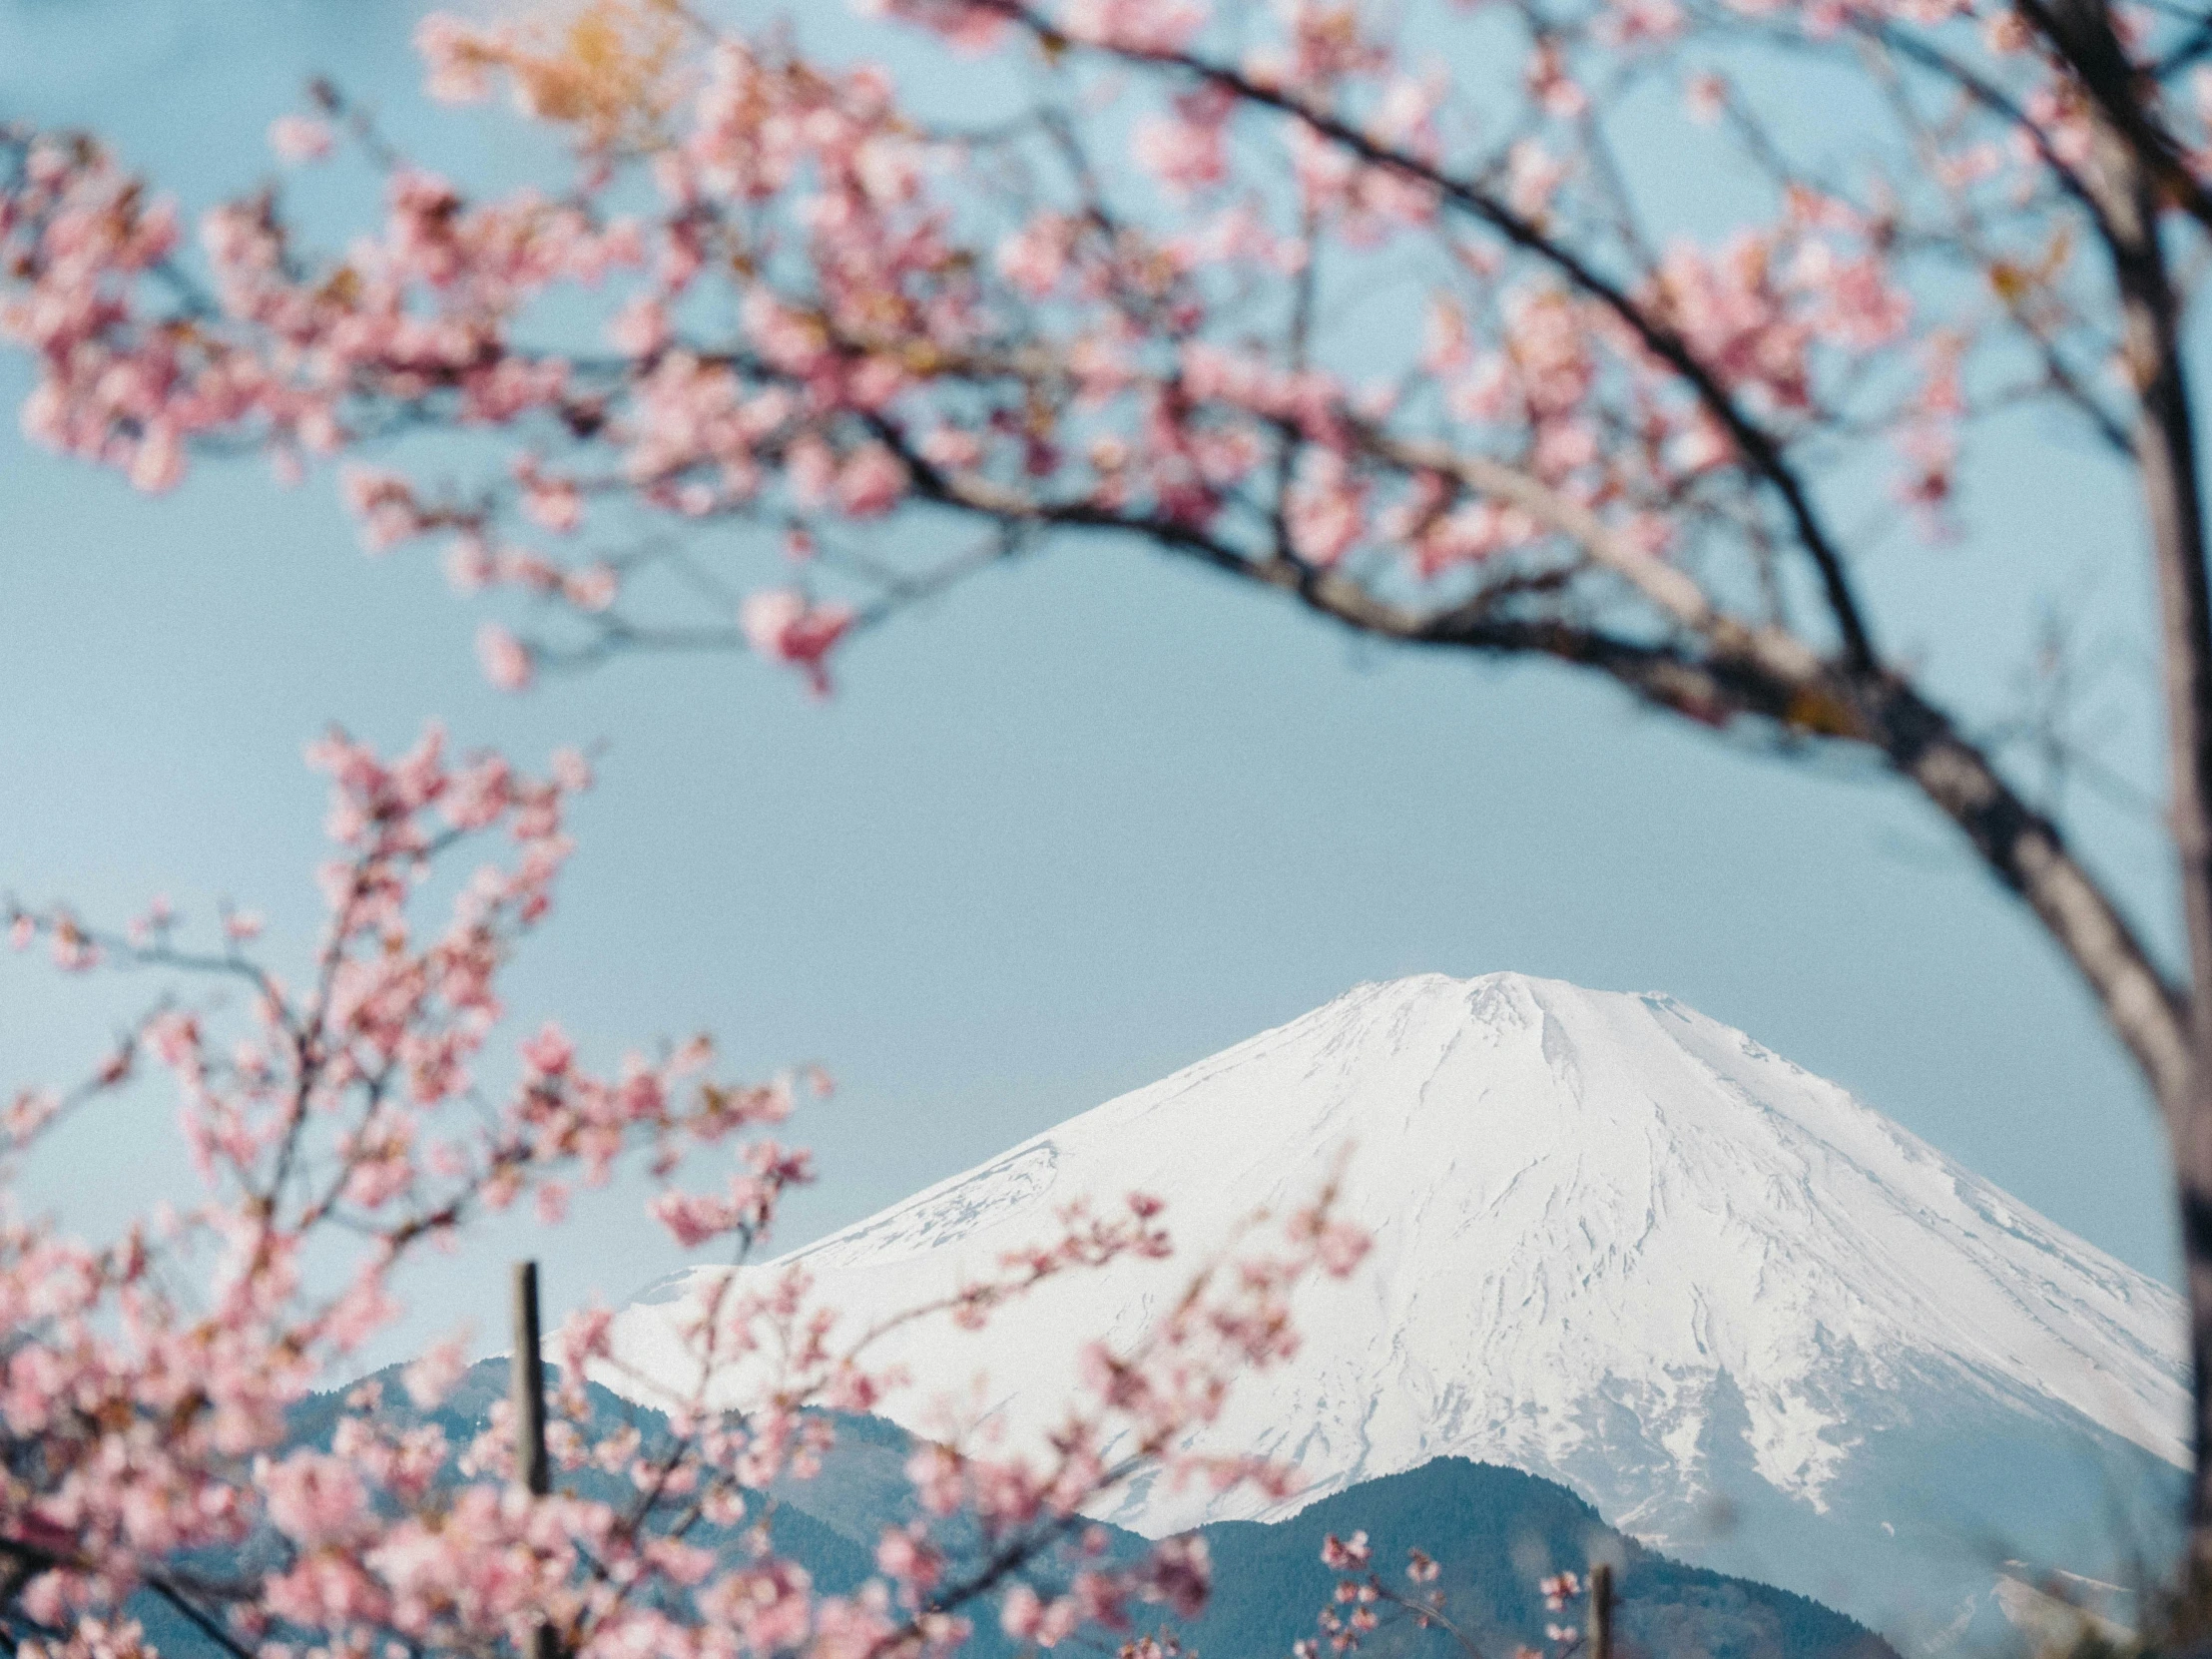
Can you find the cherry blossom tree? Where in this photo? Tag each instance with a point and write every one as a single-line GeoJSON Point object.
{"type": "Point", "coordinates": [152, 1385]}
{"type": "Point", "coordinates": [1397, 312]}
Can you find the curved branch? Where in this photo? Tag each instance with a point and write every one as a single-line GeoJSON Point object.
{"type": "Point", "coordinates": [2082, 38]}
{"type": "Point", "coordinates": [1991, 96]}
{"type": "Point", "coordinates": [1761, 449]}
{"type": "Point", "coordinates": [1715, 670]}
{"type": "Point", "coordinates": [2027, 852]}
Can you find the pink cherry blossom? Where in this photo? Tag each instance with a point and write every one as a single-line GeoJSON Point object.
{"type": "Point", "coordinates": [1140, 25]}
{"type": "Point", "coordinates": [298, 138]}
{"type": "Point", "coordinates": [785, 626]}
{"type": "Point", "coordinates": [505, 660]}
{"type": "Point", "coordinates": [362, 1086]}
{"type": "Point", "coordinates": [431, 1377]}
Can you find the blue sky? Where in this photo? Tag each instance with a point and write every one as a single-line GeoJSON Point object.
{"type": "Point", "coordinates": [1079, 824]}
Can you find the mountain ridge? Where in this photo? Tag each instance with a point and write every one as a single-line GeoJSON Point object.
{"type": "Point", "coordinates": [1494, 1534]}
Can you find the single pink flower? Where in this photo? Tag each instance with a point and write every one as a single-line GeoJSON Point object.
{"type": "Point", "coordinates": [785, 626]}
{"type": "Point", "coordinates": [505, 660]}
{"type": "Point", "coordinates": [299, 139]}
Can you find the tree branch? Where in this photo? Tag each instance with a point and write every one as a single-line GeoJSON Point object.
{"type": "Point", "coordinates": [1715, 670]}
{"type": "Point", "coordinates": [1761, 449]}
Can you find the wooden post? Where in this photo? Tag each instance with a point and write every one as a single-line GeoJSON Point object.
{"type": "Point", "coordinates": [528, 1387]}
{"type": "Point", "coordinates": [1602, 1610]}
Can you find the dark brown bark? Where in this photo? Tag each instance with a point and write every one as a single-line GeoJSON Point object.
{"type": "Point", "coordinates": [1716, 672]}
{"type": "Point", "coordinates": [1763, 453]}
{"type": "Point", "coordinates": [2127, 175]}
{"type": "Point", "coordinates": [2166, 452]}
{"type": "Point", "coordinates": [2028, 853]}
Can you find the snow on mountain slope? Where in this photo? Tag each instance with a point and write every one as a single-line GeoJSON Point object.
{"type": "Point", "coordinates": [1619, 1245]}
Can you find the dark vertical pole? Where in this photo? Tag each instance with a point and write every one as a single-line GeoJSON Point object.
{"type": "Point", "coordinates": [528, 1372]}
{"type": "Point", "coordinates": [1602, 1610]}
{"type": "Point", "coordinates": [529, 1384]}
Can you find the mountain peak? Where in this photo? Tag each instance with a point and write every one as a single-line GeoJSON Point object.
{"type": "Point", "coordinates": [1617, 1244]}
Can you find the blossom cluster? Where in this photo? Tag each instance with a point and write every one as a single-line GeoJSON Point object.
{"type": "Point", "coordinates": [897, 330]}
{"type": "Point", "coordinates": [985, 1508]}
{"type": "Point", "coordinates": [1362, 1599]}
{"type": "Point", "coordinates": [151, 1388]}
{"type": "Point", "coordinates": [147, 1383]}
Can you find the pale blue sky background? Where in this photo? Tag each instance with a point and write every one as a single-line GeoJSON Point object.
{"type": "Point", "coordinates": [1082, 823]}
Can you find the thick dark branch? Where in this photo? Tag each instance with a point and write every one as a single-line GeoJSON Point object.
{"type": "Point", "coordinates": [2084, 41]}
{"type": "Point", "coordinates": [2193, 46]}
{"type": "Point", "coordinates": [2129, 169]}
{"type": "Point", "coordinates": [2022, 848]}
{"type": "Point", "coordinates": [1760, 450]}
{"type": "Point", "coordinates": [2027, 852]}
{"type": "Point", "coordinates": [201, 1621]}
{"type": "Point", "coordinates": [2058, 374]}
{"type": "Point", "coordinates": [35, 1559]}
{"type": "Point", "coordinates": [1991, 96]}
{"type": "Point", "coordinates": [1713, 669]}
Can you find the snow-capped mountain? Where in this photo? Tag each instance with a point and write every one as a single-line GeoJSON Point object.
{"type": "Point", "coordinates": [1619, 1245]}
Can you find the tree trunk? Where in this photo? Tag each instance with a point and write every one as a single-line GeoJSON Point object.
{"type": "Point", "coordinates": [2166, 452]}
